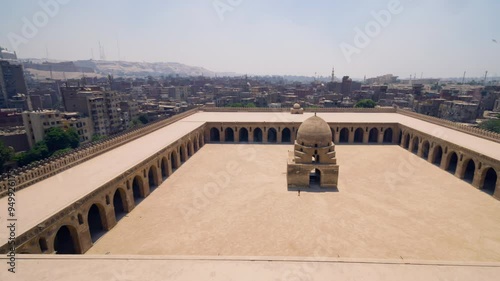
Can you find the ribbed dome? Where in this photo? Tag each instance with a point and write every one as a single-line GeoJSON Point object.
{"type": "Point", "coordinates": [314, 132]}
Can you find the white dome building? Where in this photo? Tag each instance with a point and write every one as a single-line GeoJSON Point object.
{"type": "Point", "coordinates": [296, 109]}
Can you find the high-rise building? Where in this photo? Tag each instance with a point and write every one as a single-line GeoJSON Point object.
{"type": "Point", "coordinates": [11, 81]}
{"type": "Point", "coordinates": [37, 123]}
{"type": "Point", "coordinates": [6, 55]}
{"type": "Point", "coordinates": [101, 106]}
{"type": "Point", "coordinates": [346, 86]}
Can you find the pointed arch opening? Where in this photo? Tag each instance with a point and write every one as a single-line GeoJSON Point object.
{"type": "Point", "coordinates": [315, 178]}
{"type": "Point", "coordinates": [214, 135]}
{"type": "Point", "coordinates": [452, 163]}
{"type": "Point", "coordinates": [182, 154]}
{"type": "Point", "coordinates": [138, 189]}
{"type": "Point", "coordinates": [358, 135]}
{"type": "Point", "coordinates": [407, 142]}
{"type": "Point", "coordinates": [200, 142]}
{"type": "Point", "coordinates": [425, 150]}
{"type": "Point", "coordinates": [164, 168]}
{"type": "Point", "coordinates": [95, 219]}
{"type": "Point", "coordinates": [438, 155]}
{"type": "Point", "coordinates": [388, 134]}
{"type": "Point", "coordinates": [229, 135]}
{"type": "Point", "coordinates": [173, 161]}
{"type": "Point", "coordinates": [152, 178]}
{"type": "Point", "coordinates": [257, 135]}
{"type": "Point", "coordinates": [470, 169]}
{"type": "Point", "coordinates": [66, 241]}
{"type": "Point", "coordinates": [272, 136]}
{"type": "Point", "coordinates": [344, 135]}
{"type": "Point", "coordinates": [119, 203]}
{"type": "Point", "coordinates": [189, 147]}
{"type": "Point", "coordinates": [243, 135]}
{"type": "Point", "coordinates": [415, 144]}
{"type": "Point", "coordinates": [286, 136]}
{"type": "Point", "coordinates": [195, 145]}
{"type": "Point", "coordinates": [373, 135]}
{"type": "Point", "coordinates": [490, 181]}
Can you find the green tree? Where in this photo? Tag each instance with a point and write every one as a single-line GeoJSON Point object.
{"type": "Point", "coordinates": [37, 152]}
{"type": "Point", "coordinates": [491, 125]}
{"type": "Point", "coordinates": [55, 142]}
{"type": "Point", "coordinates": [56, 139]}
{"type": "Point", "coordinates": [73, 138]}
{"type": "Point", "coordinates": [97, 137]}
{"type": "Point", "coordinates": [144, 119]}
{"type": "Point", "coordinates": [6, 154]}
{"type": "Point", "coordinates": [251, 104]}
{"type": "Point", "coordinates": [366, 103]}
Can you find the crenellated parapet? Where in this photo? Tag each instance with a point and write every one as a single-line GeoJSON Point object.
{"type": "Point", "coordinates": [478, 132]}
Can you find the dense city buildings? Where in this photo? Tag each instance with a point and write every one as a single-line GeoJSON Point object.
{"type": "Point", "coordinates": [36, 124]}
{"type": "Point", "coordinates": [114, 104]}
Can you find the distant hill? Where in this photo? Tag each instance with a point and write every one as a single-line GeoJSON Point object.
{"type": "Point", "coordinates": [120, 68]}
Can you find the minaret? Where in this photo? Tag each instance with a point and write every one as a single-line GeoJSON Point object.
{"type": "Point", "coordinates": [333, 74]}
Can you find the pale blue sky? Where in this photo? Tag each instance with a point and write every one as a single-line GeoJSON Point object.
{"type": "Point", "coordinates": [437, 37]}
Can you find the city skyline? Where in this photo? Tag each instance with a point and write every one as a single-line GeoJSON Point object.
{"type": "Point", "coordinates": [259, 38]}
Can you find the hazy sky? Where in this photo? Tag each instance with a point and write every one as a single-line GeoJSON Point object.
{"type": "Point", "coordinates": [297, 37]}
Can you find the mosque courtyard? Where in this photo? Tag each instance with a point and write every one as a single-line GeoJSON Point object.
{"type": "Point", "coordinates": [232, 200]}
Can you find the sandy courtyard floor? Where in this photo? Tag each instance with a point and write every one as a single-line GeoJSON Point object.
{"type": "Point", "coordinates": [232, 200]}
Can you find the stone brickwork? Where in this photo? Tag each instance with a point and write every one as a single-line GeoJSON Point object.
{"type": "Point", "coordinates": [313, 161]}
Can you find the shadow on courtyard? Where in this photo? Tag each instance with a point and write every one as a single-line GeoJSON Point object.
{"type": "Point", "coordinates": [314, 189]}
